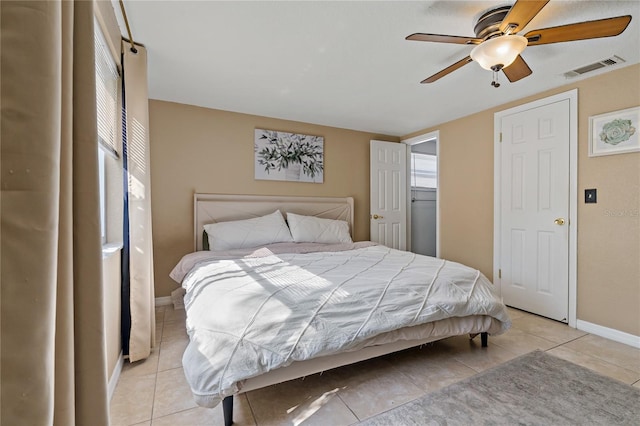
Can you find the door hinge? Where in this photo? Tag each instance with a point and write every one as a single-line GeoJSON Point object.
{"type": "Point", "coordinates": [500, 137]}
{"type": "Point", "coordinates": [499, 273]}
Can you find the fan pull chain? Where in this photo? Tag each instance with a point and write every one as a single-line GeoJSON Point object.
{"type": "Point", "coordinates": [495, 83]}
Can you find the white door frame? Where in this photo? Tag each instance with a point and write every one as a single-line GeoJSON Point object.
{"type": "Point", "coordinates": [414, 141]}
{"type": "Point", "coordinates": [572, 96]}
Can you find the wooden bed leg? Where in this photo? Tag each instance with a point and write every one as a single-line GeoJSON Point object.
{"type": "Point", "coordinates": [227, 410]}
{"type": "Point", "coordinates": [484, 339]}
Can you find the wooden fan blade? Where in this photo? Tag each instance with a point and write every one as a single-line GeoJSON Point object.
{"type": "Point", "coordinates": [607, 27]}
{"type": "Point", "coordinates": [447, 70]}
{"type": "Point", "coordinates": [517, 70]}
{"type": "Point", "coordinates": [520, 14]}
{"type": "Point", "coordinates": [440, 38]}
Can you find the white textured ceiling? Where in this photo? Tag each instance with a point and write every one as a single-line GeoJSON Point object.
{"type": "Point", "coordinates": [346, 63]}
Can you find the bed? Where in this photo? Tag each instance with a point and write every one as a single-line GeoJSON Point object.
{"type": "Point", "coordinates": [283, 292]}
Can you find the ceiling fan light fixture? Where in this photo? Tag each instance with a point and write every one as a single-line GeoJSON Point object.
{"type": "Point", "coordinates": [498, 52]}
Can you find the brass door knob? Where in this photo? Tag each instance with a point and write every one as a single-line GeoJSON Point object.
{"type": "Point", "coordinates": [375, 216]}
{"type": "Point", "coordinates": [559, 221]}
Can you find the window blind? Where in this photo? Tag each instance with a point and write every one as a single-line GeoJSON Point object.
{"type": "Point", "coordinates": [107, 90]}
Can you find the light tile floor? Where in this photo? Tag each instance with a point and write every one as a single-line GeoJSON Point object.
{"type": "Point", "coordinates": [155, 392]}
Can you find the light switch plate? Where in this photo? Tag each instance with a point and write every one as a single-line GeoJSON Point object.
{"type": "Point", "coordinates": [590, 196]}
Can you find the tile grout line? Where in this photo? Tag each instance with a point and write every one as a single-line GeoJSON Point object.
{"type": "Point", "coordinates": [562, 344]}
{"type": "Point", "coordinates": [605, 360]}
{"type": "Point", "coordinates": [253, 414]}
{"type": "Point", "coordinates": [348, 408]}
{"type": "Point", "coordinates": [155, 383]}
{"type": "Point", "coordinates": [595, 358]}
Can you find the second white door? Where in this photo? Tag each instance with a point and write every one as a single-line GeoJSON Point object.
{"type": "Point", "coordinates": [534, 209]}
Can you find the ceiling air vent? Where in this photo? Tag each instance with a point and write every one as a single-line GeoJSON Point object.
{"type": "Point", "coordinates": [595, 66]}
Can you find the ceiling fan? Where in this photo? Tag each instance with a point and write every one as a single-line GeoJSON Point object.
{"type": "Point", "coordinates": [498, 47]}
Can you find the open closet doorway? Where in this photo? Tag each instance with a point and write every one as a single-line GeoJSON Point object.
{"type": "Point", "coordinates": [423, 207]}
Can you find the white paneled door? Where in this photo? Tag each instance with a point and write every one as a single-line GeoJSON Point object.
{"type": "Point", "coordinates": [388, 212]}
{"type": "Point", "coordinates": [534, 209]}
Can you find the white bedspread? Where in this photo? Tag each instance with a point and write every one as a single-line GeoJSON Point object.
{"type": "Point", "coordinates": [249, 315]}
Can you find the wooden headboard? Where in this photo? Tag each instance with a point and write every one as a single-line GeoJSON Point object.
{"type": "Point", "coordinates": [212, 208]}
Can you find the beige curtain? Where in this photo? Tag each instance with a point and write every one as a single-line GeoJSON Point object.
{"type": "Point", "coordinates": [53, 343]}
{"type": "Point", "coordinates": [142, 299]}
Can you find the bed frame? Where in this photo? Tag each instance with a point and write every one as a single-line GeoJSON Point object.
{"type": "Point", "coordinates": [212, 208]}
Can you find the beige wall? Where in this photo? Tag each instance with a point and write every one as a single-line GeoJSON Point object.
{"type": "Point", "coordinates": [111, 280]}
{"type": "Point", "coordinates": [608, 288]}
{"type": "Point", "coordinates": [196, 149]}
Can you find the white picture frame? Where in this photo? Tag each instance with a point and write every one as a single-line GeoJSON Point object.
{"type": "Point", "coordinates": [616, 132]}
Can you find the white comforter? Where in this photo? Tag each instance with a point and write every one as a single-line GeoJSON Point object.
{"type": "Point", "coordinates": [250, 313]}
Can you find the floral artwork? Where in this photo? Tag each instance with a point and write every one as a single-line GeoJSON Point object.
{"type": "Point", "coordinates": [614, 133]}
{"type": "Point", "coordinates": [617, 131]}
{"type": "Point", "coordinates": [288, 156]}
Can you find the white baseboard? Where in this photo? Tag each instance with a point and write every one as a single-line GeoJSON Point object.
{"type": "Point", "coordinates": [115, 375]}
{"type": "Point", "coordinates": [609, 333]}
{"type": "Point", "coordinates": [164, 301]}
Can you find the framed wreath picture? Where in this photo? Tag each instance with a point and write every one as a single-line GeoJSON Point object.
{"type": "Point", "coordinates": [288, 156]}
{"type": "Point", "coordinates": [614, 132]}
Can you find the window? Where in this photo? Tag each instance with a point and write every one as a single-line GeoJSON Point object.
{"type": "Point", "coordinates": [108, 119]}
{"type": "Point", "coordinates": [424, 170]}
{"type": "Point", "coordinates": [107, 90]}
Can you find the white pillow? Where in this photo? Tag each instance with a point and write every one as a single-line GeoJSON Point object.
{"type": "Point", "coordinates": [248, 233]}
{"type": "Point", "coordinates": [311, 229]}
